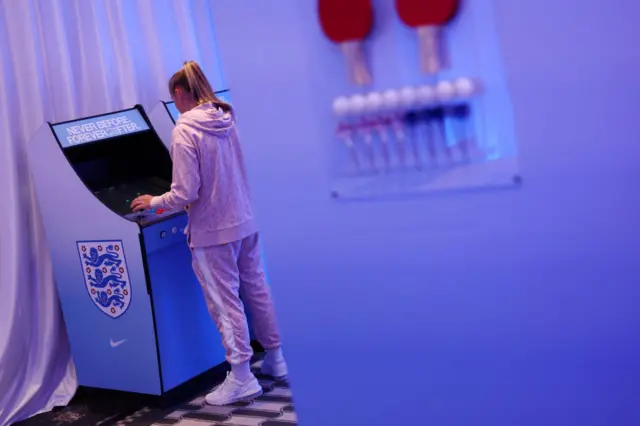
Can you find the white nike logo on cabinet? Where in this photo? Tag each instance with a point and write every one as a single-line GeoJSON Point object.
{"type": "Point", "coordinates": [116, 344]}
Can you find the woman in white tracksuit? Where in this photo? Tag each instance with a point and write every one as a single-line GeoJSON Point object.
{"type": "Point", "coordinates": [209, 179]}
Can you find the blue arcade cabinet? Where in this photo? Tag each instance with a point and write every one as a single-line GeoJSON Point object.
{"type": "Point", "coordinates": [163, 116]}
{"type": "Point", "coordinates": [134, 311]}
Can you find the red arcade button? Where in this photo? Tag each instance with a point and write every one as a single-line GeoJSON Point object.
{"type": "Point", "coordinates": [159, 211]}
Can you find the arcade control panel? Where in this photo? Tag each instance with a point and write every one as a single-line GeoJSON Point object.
{"type": "Point", "coordinates": [149, 217]}
{"type": "Point", "coordinates": [119, 198]}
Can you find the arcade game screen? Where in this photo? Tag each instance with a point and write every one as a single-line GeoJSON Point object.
{"type": "Point", "coordinates": [117, 156]}
{"type": "Point", "coordinates": [173, 111]}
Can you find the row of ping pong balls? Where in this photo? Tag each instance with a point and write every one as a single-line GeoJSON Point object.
{"type": "Point", "coordinates": [405, 99]}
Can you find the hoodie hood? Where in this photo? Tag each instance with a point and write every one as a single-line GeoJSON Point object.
{"type": "Point", "coordinates": [207, 118]}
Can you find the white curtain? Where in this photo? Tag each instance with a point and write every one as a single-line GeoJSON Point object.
{"type": "Point", "coordinates": [63, 59]}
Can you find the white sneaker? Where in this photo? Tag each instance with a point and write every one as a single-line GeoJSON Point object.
{"type": "Point", "coordinates": [232, 390]}
{"type": "Point", "coordinates": [276, 369]}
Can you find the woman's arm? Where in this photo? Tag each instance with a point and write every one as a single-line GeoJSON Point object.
{"type": "Point", "coordinates": [185, 181]}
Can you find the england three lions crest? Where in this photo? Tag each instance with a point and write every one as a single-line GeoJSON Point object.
{"type": "Point", "coordinates": [106, 276]}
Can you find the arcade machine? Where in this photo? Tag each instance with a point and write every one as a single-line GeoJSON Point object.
{"type": "Point", "coordinates": [163, 117]}
{"type": "Point", "coordinates": [134, 310]}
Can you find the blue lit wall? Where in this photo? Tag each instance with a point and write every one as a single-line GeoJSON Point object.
{"type": "Point", "coordinates": [504, 308]}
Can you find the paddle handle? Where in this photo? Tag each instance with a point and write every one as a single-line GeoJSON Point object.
{"type": "Point", "coordinates": [428, 42]}
{"type": "Point", "coordinates": [398, 128]}
{"type": "Point", "coordinates": [356, 63]}
{"type": "Point", "coordinates": [344, 133]}
{"type": "Point", "coordinates": [381, 128]}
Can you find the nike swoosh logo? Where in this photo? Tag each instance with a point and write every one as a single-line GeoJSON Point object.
{"type": "Point", "coordinates": [116, 344]}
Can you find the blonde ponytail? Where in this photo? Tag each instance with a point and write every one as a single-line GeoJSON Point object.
{"type": "Point", "coordinates": [191, 79]}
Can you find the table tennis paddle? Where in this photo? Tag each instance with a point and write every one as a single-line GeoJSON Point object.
{"type": "Point", "coordinates": [348, 23]}
{"type": "Point", "coordinates": [427, 17]}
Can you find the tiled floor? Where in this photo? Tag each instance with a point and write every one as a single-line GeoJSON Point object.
{"type": "Point", "coordinates": [273, 408]}
{"type": "Point", "coordinates": [91, 407]}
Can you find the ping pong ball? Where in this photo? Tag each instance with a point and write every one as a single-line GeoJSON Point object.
{"type": "Point", "coordinates": [445, 90]}
{"type": "Point", "coordinates": [341, 106]}
{"type": "Point", "coordinates": [407, 97]}
{"type": "Point", "coordinates": [426, 95]}
{"type": "Point", "coordinates": [374, 101]}
{"type": "Point", "coordinates": [464, 87]}
{"type": "Point", "coordinates": [391, 100]}
{"type": "Point", "coordinates": [357, 104]}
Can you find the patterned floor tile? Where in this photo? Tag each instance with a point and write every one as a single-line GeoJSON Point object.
{"type": "Point", "coordinates": [270, 384]}
{"type": "Point", "coordinates": [193, 422]}
{"type": "Point", "coordinates": [224, 411]}
{"type": "Point", "coordinates": [204, 416]}
{"type": "Point", "coordinates": [190, 407]}
{"type": "Point", "coordinates": [177, 414]}
{"type": "Point", "coordinates": [274, 398]}
{"type": "Point", "coordinates": [288, 417]}
{"type": "Point", "coordinates": [243, 421]}
{"type": "Point", "coordinates": [262, 414]}
{"type": "Point", "coordinates": [273, 408]}
{"type": "Point", "coordinates": [91, 407]}
{"type": "Point", "coordinates": [280, 392]}
{"type": "Point", "coordinates": [268, 406]}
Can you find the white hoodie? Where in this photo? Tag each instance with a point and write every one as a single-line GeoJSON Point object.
{"type": "Point", "coordinates": [209, 178]}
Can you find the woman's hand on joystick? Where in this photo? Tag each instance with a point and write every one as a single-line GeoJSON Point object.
{"type": "Point", "coordinates": [143, 202]}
